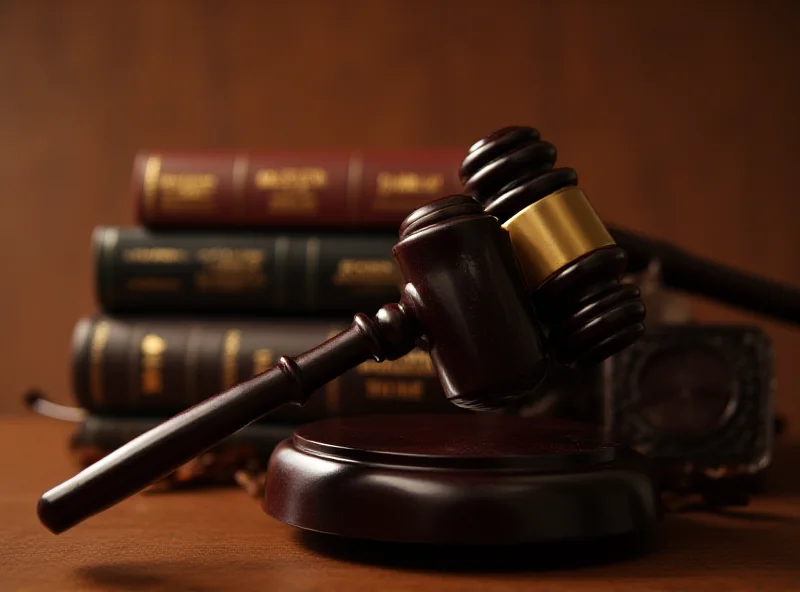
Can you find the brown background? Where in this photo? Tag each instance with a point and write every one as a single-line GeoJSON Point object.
{"type": "Point", "coordinates": [681, 118]}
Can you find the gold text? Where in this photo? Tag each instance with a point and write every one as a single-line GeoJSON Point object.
{"type": "Point", "coordinates": [155, 255]}
{"type": "Point", "coordinates": [409, 183]}
{"type": "Point", "coordinates": [415, 363]}
{"type": "Point", "coordinates": [371, 272]}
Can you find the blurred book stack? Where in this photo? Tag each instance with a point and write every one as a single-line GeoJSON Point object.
{"type": "Point", "coordinates": [235, 260]}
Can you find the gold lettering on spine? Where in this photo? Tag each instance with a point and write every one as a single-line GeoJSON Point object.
{"type": "Point", "coordinates": [409, 184]}
{"type": "Point", "coordinates": [182, 191]}
{"type": "Point", "coordinates": [152, 369]}
{"type": "Point", "coordinates": [366, 272]}
{"type": "Point", "coordinates": [404, 191]}
{"type": "Point", "coordinates": [96, 359]}
{"type": "Point", "coordinates": [152, 170]}
{"type": "Point", "coordinates": [230, 270]}
{"type": "Point", "coordinates": [295, 178]}
{"type": "Point", "coordinates": [312, 270]}
{"type": "Point", "coordinates": [230, 357]}
{"type": "Point", "coordinates": [292, 189]}
{"type": "Point", "coordinates": [262, 361]}
{"type": "Point", "coordinates": [355, 185]}
{"type": "Point", "coordinates": [415, 363]}
{"type": "Point", "coordinates": [166, 255]}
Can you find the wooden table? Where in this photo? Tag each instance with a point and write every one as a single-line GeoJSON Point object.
{"type": "Point", "coordinates": [206, 541]}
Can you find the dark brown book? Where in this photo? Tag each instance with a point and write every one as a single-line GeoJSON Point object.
{"type": "Point", "coordinates": [376, 188]}
{"type": "Point", "coordinates": [244, 273]}
{"type": "Point", "coordinates": [158, 367]}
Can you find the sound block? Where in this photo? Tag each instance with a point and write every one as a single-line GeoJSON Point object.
{"type": "Point", "coordinates": [461, 479]}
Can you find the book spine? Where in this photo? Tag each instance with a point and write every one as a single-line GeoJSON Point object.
{"type": "Point", "coordinates": [160, 367]}
{"type": "Point", "coordinates": [375, 189]}
{"type": "Point", "coordinates": [141, 271]}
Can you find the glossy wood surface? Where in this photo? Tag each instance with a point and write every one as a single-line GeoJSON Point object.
{"type": "Point", "coordinates": [590, 314]}
{"type": "Point", "coordinates": [480, 440]}
{"type": "Point", "coordinates": [218, 541]}
{"type": "Point", "coordinates": [466, 292]}
{"type": "Point", "coordinates": [473, 479]}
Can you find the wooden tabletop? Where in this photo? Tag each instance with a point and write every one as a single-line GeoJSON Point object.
{"type": "Point", "coordinates": [208, 541]}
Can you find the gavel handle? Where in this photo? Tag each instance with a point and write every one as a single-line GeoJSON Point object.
{"type": "Point", "coordinates": [165, 448]}
{"type": "Point", "coordinates": [686, 272]}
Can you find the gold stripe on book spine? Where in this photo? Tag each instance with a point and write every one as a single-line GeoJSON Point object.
{"type": "Point", "coordinates": [97, 349]}
{"type": "Point", "coordinates": [152, 173]}
{"type": "Point", "coordinates": [230, 358]}
{"type": "Point", "coordinates": [109, 239]}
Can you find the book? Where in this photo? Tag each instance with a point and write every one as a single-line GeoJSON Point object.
{"type": "Point", "coordinates": [333, 189]}
{"type": "Point", "coordinates": [161, 366]}
{"type": "Point", "coordinates": [254, 273]}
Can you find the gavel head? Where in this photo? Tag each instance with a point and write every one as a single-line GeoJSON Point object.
{"type": "Point", "coordinates": [569, 260]}
{"type": "Point", "coordinates": [465, 291]}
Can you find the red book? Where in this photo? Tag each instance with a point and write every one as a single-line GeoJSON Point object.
{"type": "Point", "coordinates": [375, 189]}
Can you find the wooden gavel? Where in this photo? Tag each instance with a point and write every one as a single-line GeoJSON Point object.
{"type": "Point", "coordinates": [492, 293]}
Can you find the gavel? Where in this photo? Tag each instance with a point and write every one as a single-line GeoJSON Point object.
{"type": "Point", "coordinates": [518, 154]}
{"type": "Point", "coordinates": [495, 293]}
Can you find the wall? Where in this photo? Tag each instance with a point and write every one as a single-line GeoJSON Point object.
{"type": "Point", "coordinates": [679, 116]}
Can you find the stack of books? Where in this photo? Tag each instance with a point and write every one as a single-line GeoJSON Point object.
{"type": "Point", "coordinates": [235, 260]}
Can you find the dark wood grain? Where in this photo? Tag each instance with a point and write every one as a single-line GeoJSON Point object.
{"type": "Point", "coordinates": [681, 118]}
{"type": "Point", "coordinates": [215, 541]}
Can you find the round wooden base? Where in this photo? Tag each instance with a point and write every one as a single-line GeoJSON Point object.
{"type": "Point", "coordinates": [462, 479]}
